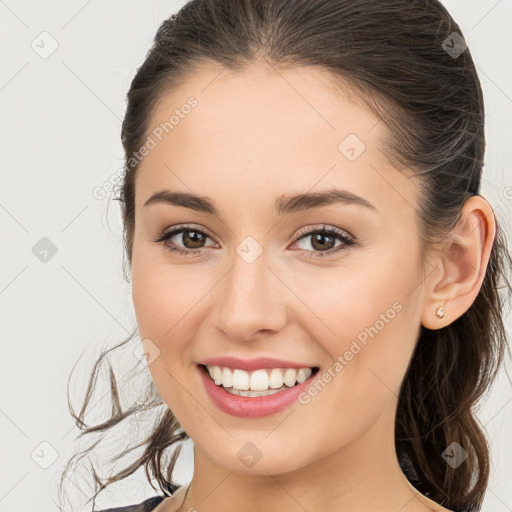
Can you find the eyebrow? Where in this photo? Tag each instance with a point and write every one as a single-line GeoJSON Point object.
{"type": "Point", "coordinates": [284, 205]}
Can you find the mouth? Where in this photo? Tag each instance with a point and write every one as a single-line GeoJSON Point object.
{"type": "Point", "coordinates": [258, 383]}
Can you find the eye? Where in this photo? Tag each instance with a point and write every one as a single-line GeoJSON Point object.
{"type": "Point", "coordinates": [189, 235]}
{"type": "Point", "coordinates": [195, 238]}
{"type": "Point", "coordinates": [323, 238]}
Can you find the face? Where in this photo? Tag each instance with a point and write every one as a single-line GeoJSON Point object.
{"type": "Point", "coordinates": [336, 286]}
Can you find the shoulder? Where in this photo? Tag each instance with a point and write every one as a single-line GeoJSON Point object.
{"type": "Point", "coordinates": [145, 506]}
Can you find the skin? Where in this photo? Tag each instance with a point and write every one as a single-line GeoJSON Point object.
{"type": "Point", "coordinates": [254, 136]}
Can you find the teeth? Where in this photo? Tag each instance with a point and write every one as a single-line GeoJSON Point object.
{"type": "Point", "coordinates": [227, 378]}
{"type": "Point", "coordinates": [303, 374]}
{"type": "Point", "coordinates": [290, 377]}
{"type": "Point", "coordinates": [255, 393]}
{"type": "Point", "coordinates": [276, 379]}
{"type": "Point", "coordinates": [240, 380]}
{"type": "Point", "coordinates": [216, 375]}
{"type": "Point", "coordinates": [258, 380]}
{"type": "Point", "coordinates": [271, 380]}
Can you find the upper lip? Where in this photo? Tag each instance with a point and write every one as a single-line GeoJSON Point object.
{"type": "Point", "coordinates": [253, 364]}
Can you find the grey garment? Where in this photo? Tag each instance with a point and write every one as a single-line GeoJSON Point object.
{"type": "Point", "coordinates": [144, 506]}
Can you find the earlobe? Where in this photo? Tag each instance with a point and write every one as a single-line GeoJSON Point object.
{"type": "Point", "coordinates": [462, 262]}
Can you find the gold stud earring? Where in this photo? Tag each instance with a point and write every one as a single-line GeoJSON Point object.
{"type": "Point", "coordinates": [440, 312]}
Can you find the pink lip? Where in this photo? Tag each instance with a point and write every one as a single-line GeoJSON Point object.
{"type": "Point", "coordinates": [251, 407]}
{"type": "Point", "coordinates": [253, 364]}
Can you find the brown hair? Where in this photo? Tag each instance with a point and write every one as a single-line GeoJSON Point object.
{"type": "Point", "coordinates": [394, 55]}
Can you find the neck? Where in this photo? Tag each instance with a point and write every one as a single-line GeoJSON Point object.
{"type": "Point", "coordinates": [364, 475]}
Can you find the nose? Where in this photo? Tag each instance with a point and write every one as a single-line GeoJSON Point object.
{"type": "Point", "coordinates": [249, 300]}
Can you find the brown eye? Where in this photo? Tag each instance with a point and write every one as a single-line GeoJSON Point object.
{"type": "Point", "coordinates": [323, 241]}
{"type": "Point", "coordinates": [193, 240]}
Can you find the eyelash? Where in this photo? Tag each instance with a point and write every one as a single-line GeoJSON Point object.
{"type": "Point", "coordinates": [347, 241]}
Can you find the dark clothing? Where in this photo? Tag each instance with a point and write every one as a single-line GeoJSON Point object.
{"type": "Point", "coordinates": [149, 504]}
{"type": "Point", "coordinates": [144, 506]}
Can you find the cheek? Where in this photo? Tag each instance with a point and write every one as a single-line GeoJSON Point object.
{"type": "Point", "coordinates": [164, 295]}
{"type": "Point", "coordinates": [163, 300]}
{"type": "Point", "coordinates": [366, 318]}
{"type": "Point", "coordinates": [370, 348]}
{"type": "Point", "coordinates": [166, 300]}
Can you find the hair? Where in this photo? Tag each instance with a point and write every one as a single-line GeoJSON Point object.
{"type": "Point", "coordinates": [392, 56]}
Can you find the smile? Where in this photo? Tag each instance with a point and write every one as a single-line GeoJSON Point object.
{"type": "Point", "coordinates": [261, 382]}
{"type": "Point", "coordinates": [257, 393]}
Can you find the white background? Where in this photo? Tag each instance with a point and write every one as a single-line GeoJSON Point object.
{"type": "Point", "coordinates": [60, 131]}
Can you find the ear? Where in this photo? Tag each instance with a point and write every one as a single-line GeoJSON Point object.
{"type": "Point", "coordinates": [460, 264]}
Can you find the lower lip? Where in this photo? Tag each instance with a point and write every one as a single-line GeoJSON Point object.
{"type": "Point", "coordinates": [251, 407]}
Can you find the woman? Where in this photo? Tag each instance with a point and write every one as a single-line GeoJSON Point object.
{"type": "Point", "coordinates": [315, 274]}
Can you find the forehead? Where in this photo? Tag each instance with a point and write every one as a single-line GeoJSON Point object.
{"type": "Point", "coordinates": [263, 130]}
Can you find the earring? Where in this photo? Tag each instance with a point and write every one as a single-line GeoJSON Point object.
{"type": "Point", "coordinates": [440, 312]}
